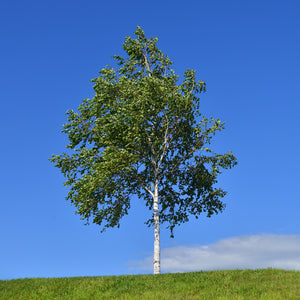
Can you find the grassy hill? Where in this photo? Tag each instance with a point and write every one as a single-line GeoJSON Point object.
{"type": "Point", "coordinates": [237, 284]}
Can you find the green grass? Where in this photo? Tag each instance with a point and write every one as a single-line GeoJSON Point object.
{"type": "Point", "coordinates": [238, 284]}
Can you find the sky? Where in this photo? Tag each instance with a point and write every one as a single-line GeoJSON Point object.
{"type": "Point", "coordinates": [247, 52]}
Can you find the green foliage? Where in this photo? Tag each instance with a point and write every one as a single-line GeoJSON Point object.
{"type": "Point", "coordinates": [237, 284]}
{"type": "Point", "coordinates": [141, 127]}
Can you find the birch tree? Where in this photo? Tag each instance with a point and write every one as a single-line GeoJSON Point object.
{"type": "Point", "coordinates": [143, 134]}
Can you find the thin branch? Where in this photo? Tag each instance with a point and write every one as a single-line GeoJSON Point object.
{"type": "Point", "coordinates": [167, 143]}
{"type": "Point", "coordinates": [142, 184]}
{"type": "Point", "coordinates": [146, 61]}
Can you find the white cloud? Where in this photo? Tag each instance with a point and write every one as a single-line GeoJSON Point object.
{"type": "Point", "coordinates": [242, 252]}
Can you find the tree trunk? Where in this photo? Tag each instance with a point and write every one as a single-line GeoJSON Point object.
{"type": "Point", "coordinates": [156, 260]}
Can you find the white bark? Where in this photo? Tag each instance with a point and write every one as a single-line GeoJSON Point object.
{"type": "Point", "coordinates": [156, 258]}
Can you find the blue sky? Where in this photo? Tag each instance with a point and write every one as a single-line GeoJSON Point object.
{"type": "Point", "coordinates": [248, 54]}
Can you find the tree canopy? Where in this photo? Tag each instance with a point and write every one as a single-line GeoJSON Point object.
{"type": "Point", "coordinates": [143, 134]}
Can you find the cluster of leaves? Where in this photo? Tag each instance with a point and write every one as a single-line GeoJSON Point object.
{"type": "Point", "coordinates": [142, 127]}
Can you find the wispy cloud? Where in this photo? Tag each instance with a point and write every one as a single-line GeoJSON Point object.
{"type": "Point", "coordinates": [242, 252]}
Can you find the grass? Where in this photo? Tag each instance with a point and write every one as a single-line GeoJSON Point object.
{"type": "Point", "coordinates": [238, 284]}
